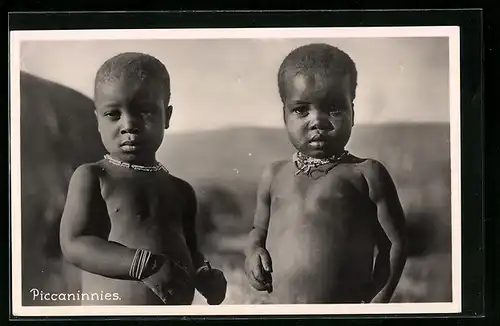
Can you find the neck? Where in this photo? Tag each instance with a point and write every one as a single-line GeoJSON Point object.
{"type": "Point", "coordinates": [309, 165]}
{"type": "Point", "coordinates": [144, 160]}
{"type": "Point", "coordinates": [155, 166]}
{"type": "Point", "coordinates": [332, 157]}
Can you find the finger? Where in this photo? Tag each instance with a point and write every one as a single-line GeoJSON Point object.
{"type": "Point", "coordinates": [266, 261]}
{"type": "Point", "coordinates": [249, 266]}
{"type": "Point", "coordinates": [269, 282]}
{"type": "Point", "coordinates": [256, 284]}
{"type": "Point", "coordinates": [258, 271]}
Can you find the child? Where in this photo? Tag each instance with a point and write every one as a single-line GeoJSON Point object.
{"type": "Point", "coordinates": [127, 222]}
{"type": "Point", "coordinates": [322, 215]}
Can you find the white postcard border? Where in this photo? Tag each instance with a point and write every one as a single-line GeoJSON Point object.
{"type": "Point", "coordinates": [452, 32]}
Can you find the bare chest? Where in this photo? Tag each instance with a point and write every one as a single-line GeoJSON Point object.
{"type": "Point", "coordinates": [339, 198]}
{"type": "Point", "coordinates": [143, 211]}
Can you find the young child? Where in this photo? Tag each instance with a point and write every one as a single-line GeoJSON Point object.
{"type": "Point", "coordinates": [128, 223]}
{"type": "Point", "coordinates": [322, 215]}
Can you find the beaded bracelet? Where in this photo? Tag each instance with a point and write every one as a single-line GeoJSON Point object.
{"type": "Point", "coordinates": [139, 263]}
{"type": "Point", "coordinates": [206, 266]}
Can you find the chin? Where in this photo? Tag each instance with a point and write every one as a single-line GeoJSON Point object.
{"type": "Point", "coordinates": [317, 153]}
{"type": "Point", "coordinates": [125, 156]}
{"type": "Point", "coordinates": [322, 152]}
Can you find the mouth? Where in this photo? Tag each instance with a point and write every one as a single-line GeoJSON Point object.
{"type": "Point", "coordinates": [318, 137]}
{"type": "Point", "coordinates": [129, 145]}
{"type": "Point", "coordinates": [318, 141]}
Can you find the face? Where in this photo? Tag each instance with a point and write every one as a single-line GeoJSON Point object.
{"type": "Point", "coordinates": [132, 117]}
{"type": "Point", "coordinates": [318, 114]}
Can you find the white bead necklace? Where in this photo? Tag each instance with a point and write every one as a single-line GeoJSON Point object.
{"type": "Point", "coordinates": [157, 167]}
{"type": "Point", "coordinates": [306, 164]}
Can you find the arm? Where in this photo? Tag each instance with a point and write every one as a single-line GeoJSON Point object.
{"type": "Point", "coordinates": [189, 223]}
{"type": "Point", "coordinates": [258, 234]}
{"type": "Point", "coordinates": [392, 221]}
{"type": "Point", "coordinates": [210, 282]}
{"type": "Point", "coordinates": [258, 262]}
{"type": "Point", "coordinates": [85, 227]}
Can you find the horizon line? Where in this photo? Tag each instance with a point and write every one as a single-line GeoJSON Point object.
{"type": "Point", "coordinates": [378, 124]}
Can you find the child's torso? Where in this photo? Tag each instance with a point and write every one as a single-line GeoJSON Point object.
{"type": "Point", "coordinates": [144, 213]}
{"type": "Point", "coordinates": [321, 236]}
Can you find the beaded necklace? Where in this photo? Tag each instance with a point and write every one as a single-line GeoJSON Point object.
{"type": "Point", "coordinates": [307, 165]}
{"type": "Point", "coordinates": [157, 167]}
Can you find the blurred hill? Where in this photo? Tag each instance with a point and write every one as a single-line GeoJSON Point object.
{"type": "Point", "coordinates": [58, 133]}
{"type": "Point", "coordinates": [417, 156]}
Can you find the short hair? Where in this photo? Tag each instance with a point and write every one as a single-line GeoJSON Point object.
{"type": "Point", "coordinates": [317, 58]}
{"type": "Point", "coordinates": [134, 65]}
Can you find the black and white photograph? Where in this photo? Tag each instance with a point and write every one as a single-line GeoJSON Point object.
{"type": "Point", "coordinates": [236, 171]}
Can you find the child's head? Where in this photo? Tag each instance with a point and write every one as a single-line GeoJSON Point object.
{"type": "Point", "coordinates": [132, 95]}
{"type": "Point", "coordinates": [317, 85]}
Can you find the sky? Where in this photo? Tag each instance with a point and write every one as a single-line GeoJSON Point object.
{"type": "Point", "coordinates": [218, 83]}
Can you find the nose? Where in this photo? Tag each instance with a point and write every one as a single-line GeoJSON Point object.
{"type": "Point", "coordinates": [129, 124]}
{"type": "Point", "coordinates": [319, 120]}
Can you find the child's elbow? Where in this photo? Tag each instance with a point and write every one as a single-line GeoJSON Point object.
{"type": "Point", "coordinates": [401, 248]}
{"type": "Point", "coordinates": [69, 249]}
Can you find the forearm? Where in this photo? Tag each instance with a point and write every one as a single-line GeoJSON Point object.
{"type": "Point", "coordinates": [198, 258]}
{"type": "Point", "coordinates": [397, 260]}
{"type": "Point", "coordinates": [98, 256]}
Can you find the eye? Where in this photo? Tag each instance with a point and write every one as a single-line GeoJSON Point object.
{"type": "Point", "coordinates": [114, 115]}
{"type": "Point", "coordinates": [336, 113]}
{"type": "Point", "coordinates": [337, 110]}
{"type": "Point", "coordinates": [301, 110]}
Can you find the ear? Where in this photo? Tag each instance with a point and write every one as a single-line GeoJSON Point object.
{"type": "Point", "coordinates": [96, 118]}
{"type": "Point", "coordinates": [352, 120]}
{"type": "Point", "coordinates": [283, 113]}
{"type": "Point", "coordinates": [168, 115]}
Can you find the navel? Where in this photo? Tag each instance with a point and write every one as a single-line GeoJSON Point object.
{"type": "Point", "coordinates": [117, 209]}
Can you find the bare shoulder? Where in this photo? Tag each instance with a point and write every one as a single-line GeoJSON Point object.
{"type": "Point", "coordinates": [87, 174]}
{"type": "Point", "coordinates": [373, 168]}
{"type": "Point", "coordinates": [267, 178]}
{"type": "Point", "coordinates": [272, 170]}
{"type": "Point", "coordinates": [184, 187]}
{"type": "Point", "coordinates": [377, 176]}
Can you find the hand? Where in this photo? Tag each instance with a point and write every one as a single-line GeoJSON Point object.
{"type": "Point", "coordinates": [258, 268]}
{"type": "Point", "coordinates": [212, 284]}
{"type": "Point", "coordinates": [170, 282]}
